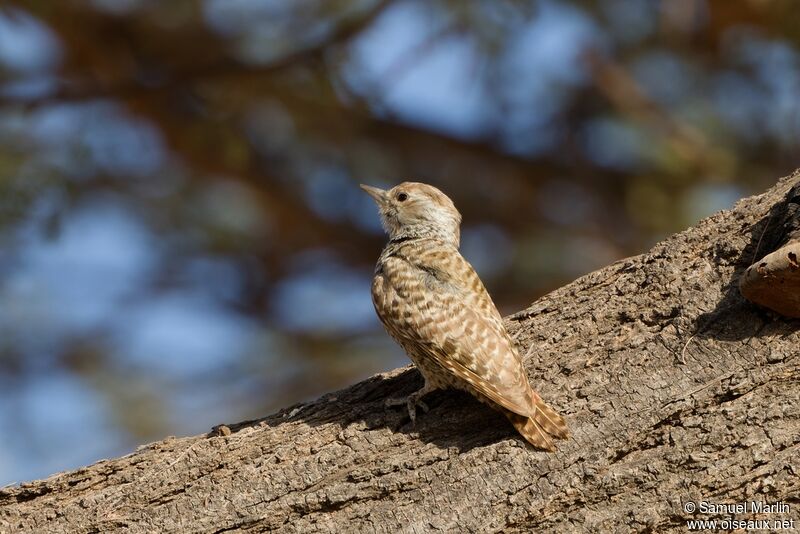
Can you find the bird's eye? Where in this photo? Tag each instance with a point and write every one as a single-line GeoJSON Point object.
{"type": "Point", "coordinates": [402, 197]}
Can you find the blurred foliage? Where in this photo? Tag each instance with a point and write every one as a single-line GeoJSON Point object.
{"type": "Point", "coordinates": [182, 241]}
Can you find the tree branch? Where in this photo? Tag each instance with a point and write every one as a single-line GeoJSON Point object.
{"type": "Point", "coordinates": [676, 389]}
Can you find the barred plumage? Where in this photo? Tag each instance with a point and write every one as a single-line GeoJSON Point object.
{"type": "Point", "coordinates": [433, 304]}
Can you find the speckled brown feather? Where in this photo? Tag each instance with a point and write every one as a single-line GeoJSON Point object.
{"type": "Point", "coordinates": [435, 306]}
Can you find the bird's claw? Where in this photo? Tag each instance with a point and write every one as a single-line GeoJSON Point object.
{"type": "Point", "coordinates": [412, 402]}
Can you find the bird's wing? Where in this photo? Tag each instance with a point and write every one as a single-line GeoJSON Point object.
{"type": "Point", "coordinates": [435, 303]}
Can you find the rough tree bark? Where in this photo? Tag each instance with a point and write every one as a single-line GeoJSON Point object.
{"type": "Point", "coordinates": [676, 390]}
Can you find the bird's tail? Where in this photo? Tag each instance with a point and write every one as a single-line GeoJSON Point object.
{"type": "Point", "coordinates": [540, 429]}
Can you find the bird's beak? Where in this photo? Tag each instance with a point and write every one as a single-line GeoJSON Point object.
{"type": "Point", "coordinates": [378, 194]}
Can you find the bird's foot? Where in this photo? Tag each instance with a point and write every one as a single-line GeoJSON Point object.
{"type": "Point", "coordinates": [412, 402]}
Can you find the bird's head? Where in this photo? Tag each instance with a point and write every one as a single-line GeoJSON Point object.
{"type": "Point", "coordinates": [412, 209]}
